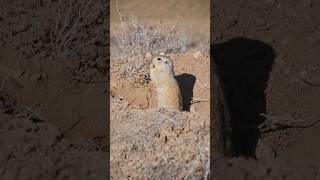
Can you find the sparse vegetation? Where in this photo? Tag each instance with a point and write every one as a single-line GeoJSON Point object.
{"type": "Point", "coordinates": [66, 28]}
{"type": "Point", "coordinates": [147, 143]}
{"type": "Point", "coordinates": [155, 135]}
{"type": "Point", "coordinates": [136, 39]}
{"type": "Point", "coordinates": [135, 42]}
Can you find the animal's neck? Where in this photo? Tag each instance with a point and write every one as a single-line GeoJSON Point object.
{"type": "Point", "coordinates": [168, 72]}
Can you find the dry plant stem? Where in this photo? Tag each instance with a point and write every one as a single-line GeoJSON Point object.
{"type": "Point", "coordinates": [309, 83]}
{"type": "Point", "coordinates": [197, 100]}
{"type": "Point", "coordinates": [30, 110]}
{"type": "Point", "coordinates": [200, 158]}
{"type": "Point", "coordinates": [66, 20]}
{"type": "Point", "coordinates": [73, 125]}
{"type": "Point", "coordinates": [274, 123]}
{"type": "Point", "coordinates": [74, 27]}
{"type": "Point", "coordinates": [207, 173]}
{"type": "Point", "coordinates": [191, 170]}
{"type": "Point", "coordinates": [121, 19]}
{"type": "Point", "coordinates": [119, 12]}
{"type": "Point", "coordinates": [135, 40]}
{"type": "Point", "coordinates": [147, 102]}
{"type": "Point", "coordinates": [131, 102]}
{"type": "Point", "coordinates": [62, 33]}
{"type": "Point", "coordinates": [57, 21]}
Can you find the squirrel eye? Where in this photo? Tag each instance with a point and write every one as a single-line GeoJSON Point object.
{"type": "Point", "coordinates": [159, 59]}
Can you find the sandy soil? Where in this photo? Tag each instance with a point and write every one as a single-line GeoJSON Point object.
{"type": "Point", "coordinates": [147, 143]}
{"type": "Point", "coordinates": [53, 92]}
{"type": "Point", "coordinates": [285, 36]}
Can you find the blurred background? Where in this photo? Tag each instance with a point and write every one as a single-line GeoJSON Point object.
{"type": "Point", "coordinates": [191, 17]}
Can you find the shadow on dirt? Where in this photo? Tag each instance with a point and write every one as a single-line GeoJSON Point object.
{"type": "Point", "coordinates": [242, 67]}
{"type": "Point", "coordinates": [186, 83]}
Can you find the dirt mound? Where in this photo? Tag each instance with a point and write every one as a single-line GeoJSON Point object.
{"type": "Point", "coordinates": [192, 73]}
{"type": "Point", "coordinates": [148, 143]}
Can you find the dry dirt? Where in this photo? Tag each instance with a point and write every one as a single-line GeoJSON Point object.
{"type": "Point", "coordinates": [275, 43]}
{"type": "Point", "coordinates": [53, 94]}
{"type": "Point", "coordinates": [53, 64]}
{"type": "Point", "coordinates": [147, 143]}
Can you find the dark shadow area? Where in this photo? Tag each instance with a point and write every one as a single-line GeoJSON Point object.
{"type": "Point", "coordinates": [186, 83]}
{"type": "Point", "coordinates": [242, 67]}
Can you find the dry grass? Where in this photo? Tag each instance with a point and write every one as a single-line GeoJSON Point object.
{"type": "Point", "coordinates": [74, 32]}
{"type": "Point", "coordinates": [168, 167]}
{"type": "Point", "coordinates": [56, 29]}
{"type": "Point", "coordinates": [136, 39]}
{"type": "Point", "coordinates": [136, 42]}
{"type": "Point", "coordinates": [143, 133]}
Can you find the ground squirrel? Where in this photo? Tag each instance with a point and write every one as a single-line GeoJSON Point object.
{"type": "Point", "coordinates": [167, 88]}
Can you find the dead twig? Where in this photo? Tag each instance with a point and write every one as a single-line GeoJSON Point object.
{"type": "Point", "coordinates": [197, 100]}
{"type": "Point", "coordinates": [274, 123]}
{"type": "Point", "coordinates": [147, 102]}
{"type": "Point", "coordinates": [22, 30]}
{"type": "Point", "coordinates": [31, 112]}
{"type": "Point", "coordinates": [308, 82]}
{"type": "Point", "coordinates": [73, 125]}
{"type": "Point", "coordinates": [131, 102]}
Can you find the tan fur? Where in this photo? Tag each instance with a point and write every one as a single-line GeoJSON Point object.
{"type": "Point", "coordinates": [162, 76]}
